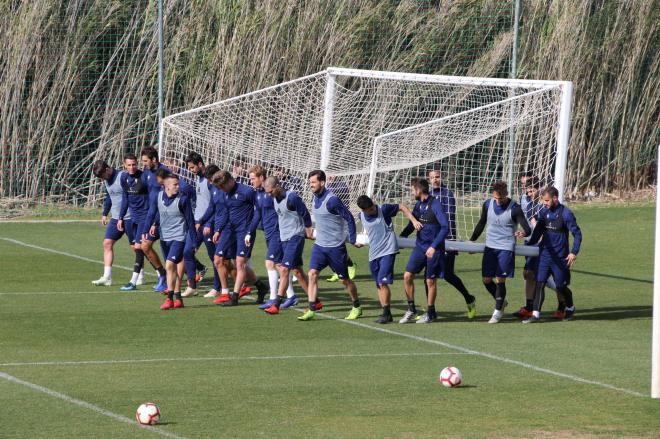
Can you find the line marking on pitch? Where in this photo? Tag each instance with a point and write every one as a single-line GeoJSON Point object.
{"type": "Point", "coordinates": [484, 355]}
{"type": "Point", "coordinates": [15, 221]}
{"type": "Point", "coordinates": [86, 405]}
{"type": "Point", "coordinates": [47, 293]}
{"type": "Point", "coordinates": [250, 358]}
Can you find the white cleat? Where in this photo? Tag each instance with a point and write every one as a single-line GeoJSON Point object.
{"type": "Point", "coordinates": [102, 282]}
{"type": "Point", "coordinates": [212, 294]}
{"type": "Point", "coordinates": [426, 318]}
{"type": "Point", "coordinates": [497, 316]}
{"type": "Point", "coordinates": [408, 317]}
{"type": "Point", "coordinates": [189, 292]}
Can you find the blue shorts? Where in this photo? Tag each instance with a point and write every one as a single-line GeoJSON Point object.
{"type": "Point", "coordinates": [418, 262]}
{"type": "Point", "coordinates": [554, 266]}
{"type": "Point", "coordinates": [497, 263]}
{"type": "Point", "coordinates": [334, 257]}
{"type": "Point", "coordinates": [242, 251]}
{"type": "Point", "coordinates": [130, 228]}
{"type": "Point", "coordinates": [172, 250]}
{"type": "Point", "coordinates": [111, 231]}
{"type": "Point", "coordinates": [274, 250]}
{"type": "Point", "coordinates": [292, 252]}
{"type": "Point", "coordinates": [531, 263]}
{"type": "Point", "coordinates": [226, 246]}
{"type": "Point", "coordinates": [382, 269]}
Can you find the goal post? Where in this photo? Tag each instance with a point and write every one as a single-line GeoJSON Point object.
{"type": "Point", "coordinates": [655, 337]}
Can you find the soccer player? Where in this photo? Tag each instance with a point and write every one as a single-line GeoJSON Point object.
{"type": "Point", "coordinates": [150, 163]}
{"type": "Point", "coordinates": [135, 199]}
{"type": "Point", "coordinates": [111, 205]}
{"type": "Point", "coordinates": [294, 224]}
{"type": "Point", "coordinates": [429, 250]}
{"type": "Point", "coordinates": [383, 246]}
{"type": "Point", "coordinates": [339, 187]}
{"type": "Point", "coordinates": [501, 216]}
{"type": "Point", "coordinates": [172, 210]}
{"type": "Point", "coordinates": [332, 220]}
{"type": "Point", "coordinates": [555, 221]}
{"type": "Point", "coordinates": [240, 201]}
{"type": "Point", "coordinates": [448, 204]}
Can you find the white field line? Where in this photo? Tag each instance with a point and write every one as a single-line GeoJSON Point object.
{"type": "Point", "coordinates": [251, 358]}
{"type": "Point", "coordinates": [86, 405]}
{"type": "Point", "coordinates": [47, 293]}
{"type": "Point", "coordinates": [44, 221]}
{"type": "Point", "coordinates": [70, 255]}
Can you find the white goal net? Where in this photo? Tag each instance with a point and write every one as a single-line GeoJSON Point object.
{"type": "Point", "coordinates": [372, 132]}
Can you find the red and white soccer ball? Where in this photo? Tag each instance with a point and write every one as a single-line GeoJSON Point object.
{"type": "Point", "coordinates": [451, 377]}
{"type": "Point", "coordinates": [148, 414]}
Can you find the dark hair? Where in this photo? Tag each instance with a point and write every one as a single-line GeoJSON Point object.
{"type": "Point", "coordinates": [99, 167]}
{"type": "Point", "coordinates": [221, 178]}
{"type": "Point", "coordinates": [150, 152]}
{"type": "Point", "coordinates": [533, 182]}
{"type": "Point", "coordinates": [500, 188]}
{"type": "Point", "coordinates": [420, 183]}
{"type": "Point", "coordinates": [210, 170]}
{"type": "Point", "coordinates": [319, 174]}
{"type": "Point", "coordinates": [162, 173]}
{"type": "Point", "coordinates": [364, 202]}
{"type": "Point", "coordinates": [130, 156]}
{"type": "Point", "coordinates": [526, 174]}
{"type": "Point", "coordinates": [171, 176]}
{"type": "Point", "coordinates": [551, 191]}
{"type": "Point", "coordinates": [194, 158]}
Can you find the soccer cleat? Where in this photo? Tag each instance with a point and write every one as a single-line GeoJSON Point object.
{"type": "Point", "coordinates": [233, 300]}
{"type": "Point", "coordinates": [168, 304]}
{"type": "Point", "coordinates": [472, 309]}
{"type": "Point", "coordinates": [161, 285]}
{"type": "Point", "coordinates": [559, 315]}
{"type": "Point", "coordinates": [200, 276]}
{"type": "Point", "coordinates": [103, 282]}
{"type": "Point", "coordinates": [178, 303]}
{"type": "Point", "coordinates": [354, 314]}
{"type": "Point", "coordinates": [291, 301]}
{"type": "Point", "coordinates": [309, 315]}
{"type": "Point", "coordinates": [408, 317]}
{"type": "Point", "coordinates": [128, 287]}
{"type": "Point", "coordinates": [523, 313]}
{"type": "Point", "coordinates": [189, 292]}
{"type": "Point", "coordinates": [333, 278]}
{"type": "Point", "coordinates": [222, 298]}
{"type": "Point", "coordinates": [318, 306]}
{"type": "Point", "coordinates": [383, 319]}
{"type": "Point", "coordinates": [244, 290]}
{"type": "Point", "coordinates": [213, 293]}
{"type": "Point", "coordinates": [497, 316]}
{"type": "Point", "coordinates": [262, 291]}
{"type": "Point", "coordinates": [568, 314]}
{"type": "Point", "coordinates": [426, 318]}
{"type": "Point", "coordinates": [531, 319]}
{"type": "Point", "coordinates": [268, 304]}
{"type": "Point", "coordinates": [272, 310]}
{"type": "Point", "coordinates": [352, 270]}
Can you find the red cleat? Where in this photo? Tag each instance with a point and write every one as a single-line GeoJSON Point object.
{"type": "Point", "coordinates": [523, 313]}
{"type": "Point", "coordinates": [272, 310]}
{"type": "Point", "coordinates": [558, 315]}
{"type": "Point", "coordinates": [318, 306]}
{"type": "Point", "coordinates": [168, 304]}
{"type": "Point", "coordinates": [178, 303]}
{"type": "Point", "coordinates": [222, 298]}
{"type": "Point", "coordinates": [245, 290]}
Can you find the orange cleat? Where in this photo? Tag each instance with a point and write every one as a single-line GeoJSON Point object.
{"type": "Point", "coordinates": [178, 303]}
{"type": "Point", "coordinates": [272, 310]}
{"type": "Point", "coordinates": [168, 304]}
{"type": "Point", "coordinates": [245, 290]}
{"type": "Point", "coordinates": [523, 313]}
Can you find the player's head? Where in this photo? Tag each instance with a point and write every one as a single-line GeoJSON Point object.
{"type": "Point", "coordinates": [419, 188]}
{"type": "Point", "coordinates": [532, 188]}
{"type": "Point", "coordinates": [149, 157]}
{"type": "Point", "coordinates": [500, 192]}
{"type": "Point", "coordinates": [130, 163]}
{"type": "Point", "coordinates": [257, 176]}
{"type": "Point", "coordinates": [367, 205]}
{"type": "Point", "coordinates": [550, 197]}
{"type": "Point", "coordinates": [209, 171]}
{"type": "Point", "coordinates": [317, 181]}
{"type": "Point", "coordinates": [273, 186]}
{"type": "Point", "coordinates": [524, 177]}
{"type": "Point", "coordinates": [195, 163]}
{"type": "Point", "coordinates": [161, 175]}
{"type": "Point", "coordinates": [224, 181]}
{"type": "Point", "coordinates": [171, 184]}
{"type": "Point", "coordinates": [435, 179]}
{"type": "Point", "coordinates": [102, 170]}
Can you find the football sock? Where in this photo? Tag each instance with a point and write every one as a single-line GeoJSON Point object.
{"type": "Point", "coordinates": [161, 271]}
{"type": "Point", "coordinates": [134, 278]}
{"type": "Point", "coordinates": [457, 283]}
{"type": "Point", "coordinates": [356, 303]}
{"type": "Point", "coordinates": [431, 311]}
{"type": "Point", "coordinates": [500, 295]}
{"type": "Point", "coordinates": [386, 310]}
{"type": "Point", "coordinates": [278, 301]}
{"type": "Point", "coordinates": [170, 295]}
{"type": "Point", "coordinates": [198, 265]}
{"type": "Point", "coordinates": [224, 291]}
{"type": "Point", "coordinates": [568, 296]}
{"type": "Point", "coordinates": [177, 295]}
{"type": "Point", "coordinates": [272, 282]}
{"type": "Point", "coordinates": [411, 306]}
{"type": "Point", "coordinates": [139, 261]}
{"type": "Point", "coordinates": [350, 262]}
{"type": "Point", "coordinates": [107, 272]}
{"type": "Point", "coordinates": [289, 289]}
{"type": "Point", "coordinates": [490, 286]}
{"type": "Point", "coordinates": [529, 304]}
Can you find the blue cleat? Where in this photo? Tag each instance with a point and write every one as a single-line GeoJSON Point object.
{"type": "Point", "coordinates": [289, 302]}
{"type": "Point", "coordinates": [161, 285]}
{"type": "Point", "coordinates": [267, 304]}
{"type": "Point", "coordinates": [128, 287]}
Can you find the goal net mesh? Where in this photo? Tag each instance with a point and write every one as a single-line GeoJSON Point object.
{"type": "Point", "coordinates": [373, 134]}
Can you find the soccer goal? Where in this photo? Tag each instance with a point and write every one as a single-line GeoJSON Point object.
{"type": "Point", "coordinates": [373, 131]}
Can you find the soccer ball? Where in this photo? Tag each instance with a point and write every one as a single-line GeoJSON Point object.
{"type": "Point", "coordinates": [450, 377]}
{"type": "Point", "coordinates": [147, 414]}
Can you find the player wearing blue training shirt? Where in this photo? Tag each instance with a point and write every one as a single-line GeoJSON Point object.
{"type": "Point", "coordinates": [111, 205]}
{"type": "Point", "coordinates": [383, 246]}
{"type": "Point", "coordinates": [332, 221]}
{"type": "Point", "coordinates": [555, 221]}
{"type": "Point", "coordinates": [502, 216]}
{"type": "Point", "coordinates": [294, 223]}
{"type": "Point", "coordinates": [172, 211]}
{"type": "Point", "coordinates": [240, 200]}
{"type": "Point", "coordinates": [448, 203]}
{"type": "Point", "coordinates": [429, 250]}
{"type": "Point", "coordinates": [134, 202]}
{"type": "Point", "coordinates": [338, 186]}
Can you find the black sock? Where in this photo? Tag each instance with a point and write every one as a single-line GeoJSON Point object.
{"type": "Point", "coordinates": [457, 283]}
{"type": "Point", "coordinates": [259, 284]}
{"type": "Point", "coordinates": [529, 304]}
{"type": "Point", "coordinates": [561, 306]}
{"type": "Point", "coordinates": [500, 295]}
{"type": "Point", "coordinates": [431, 310]}
{"type": "Point", "coordinates": [568, 296]}
{"type": "Point", "coordinates": [161, 271]}
{"type": "Point", "coordinates": [411, 306]}
{"type": "Point", "coordinates": [356, 303]}
{"type": "Point", "coordinates": [349, 261]}
{"type": "Point", "coordinates": [490, 286]}
{"type": "Point", "coordinates": [198, 265]}
{"type": "Point", "coordinates": [170, 295]}
{"type": "Point", "coordinates": [312, 305]}
{"type": "Point", "coordinates": [278, 301]}
{"type": "Point", "coordinates": [386, 310]}
{"type": "Point", "coordinates": [139, 261]}
{"type": "Point", "coordinates": [178, 295]}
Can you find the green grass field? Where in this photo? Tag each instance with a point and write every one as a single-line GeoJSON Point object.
{"type": "Point", "coordinates": [77, 360]}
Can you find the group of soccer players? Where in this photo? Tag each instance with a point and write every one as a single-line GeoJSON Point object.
{"type": "Point", "coordinates": [223, 211]}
